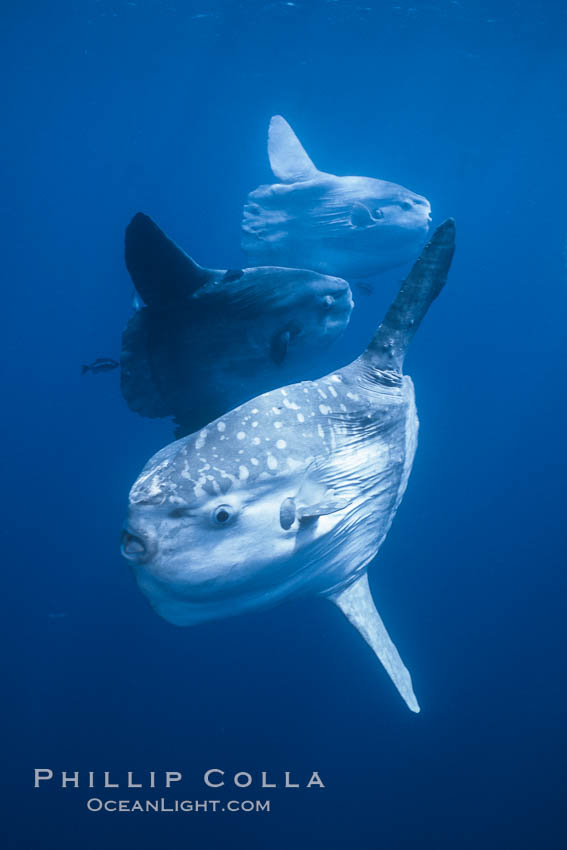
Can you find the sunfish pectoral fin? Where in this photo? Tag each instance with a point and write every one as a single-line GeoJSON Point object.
{"type": "Point", "coordinates": [328, 505]}
{"type": "Point", "coordinates": [360, 216]}
{"type": "Point", "coordinates": [315, 498]}
{"type": "Point", "coordinates": [290, 510]}
{"type": "Point", "coordinates": [356, 603]}
{"type": "Point", "coordinates": [288, 158]}
{"type": "Point", "coordinates": [278, 346]}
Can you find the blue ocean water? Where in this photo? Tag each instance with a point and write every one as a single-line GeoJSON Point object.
{"type": "Point", "coordinates": [114, 107]}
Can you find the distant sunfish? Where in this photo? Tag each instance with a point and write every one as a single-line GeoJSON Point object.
{"type": "Point", "coordinates": [208, 340]}
{"type": "Point", "coordinates": [351, 226]}
{"type": "Point", "coordinates": [101, 364]}
{"type": "Point", "coordinates": [292, 493]}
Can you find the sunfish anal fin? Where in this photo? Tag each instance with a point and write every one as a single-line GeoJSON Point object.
{"type": "Point", "coordinates": [288, 158]}
{"type": "Point", "coordinates": [356, 603]}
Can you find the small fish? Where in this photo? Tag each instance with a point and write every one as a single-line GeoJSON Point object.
{"type": "Point", "coordinates": [101, 364]}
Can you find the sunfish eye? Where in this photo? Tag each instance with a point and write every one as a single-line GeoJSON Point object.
{"type": "Point", "coordinates": [405, 205]}
{"type": "Point", "coordinates": [377, 213]}
{"type": "Point", "coordinates": [222, 514]}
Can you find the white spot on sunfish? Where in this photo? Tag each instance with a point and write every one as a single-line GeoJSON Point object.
{"type": "Point", "coordinates": [320, 430]}
{"type": "Point", "coordinates": [353, 396]}
{"type": "Point", "coordinates": [243, 473]}
{"type": "Point", "coordinates": [272, 462]}
{"type": "Point", "coordinates": [241, 435]}
{"type": "Point", "coordinates": [254, 424]}
{"type": "Point", "coordinates": [254, 461]}
{"type": "Point", "coordinates": [281, 444]}
{"type": "Point", "coordinates": [200, 442]}
{"type": "Point", "coordinates": [300, 417]}
{"type": "Point", "coordinates": [325, 410]}
{"type": "Point", "coordinates": [336, 378]}
{"type": "Point", "coordinates": [290, 404]}
{"type": "Point", "coordinates": [277, 424]}
{"type": "Point", "coordinates": [256, 441]}
{"type": "Point", "coordinates": [333, 392]}
{"type": "Point", "coordinates": [321, 393]}
{"type": "Point", "coordinates": [221, 426]}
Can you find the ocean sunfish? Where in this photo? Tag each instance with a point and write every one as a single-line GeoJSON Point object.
{"type": "Point", "coordinates": [355, 227]}
{"type": "Point", "coordinates": [293, 492]}
{"type": "Point", "coordinates": [208, 340]}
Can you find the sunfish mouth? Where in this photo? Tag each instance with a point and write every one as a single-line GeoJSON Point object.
{"type": "Point", "coordinates": [136, 548]}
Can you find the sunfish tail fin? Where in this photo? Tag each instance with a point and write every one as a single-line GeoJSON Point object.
{"type": "Point", "coordinates": [356, 603]}
{"type": "Point", "coordinates": [288, 159]}
{"type": "Point", "coordinates": [427, 278]}
{"type": "Point", "coordinates": [139, 387]}
{"type": "Point", "coordinates": [163, 274]}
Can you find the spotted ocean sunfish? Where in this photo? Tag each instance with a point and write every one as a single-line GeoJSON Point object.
{"type": "Point", "coordinates": [293, 492]}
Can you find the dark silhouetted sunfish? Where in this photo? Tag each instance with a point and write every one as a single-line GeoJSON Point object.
{"type": "Point", "coordinates": [293, 492]}
{"type": "Point", "coordinates": [207, 339]}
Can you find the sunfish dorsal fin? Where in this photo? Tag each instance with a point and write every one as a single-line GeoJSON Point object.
{"type": "Point", "coordinates": [162, 273]}
{"type": "Point", "coordinates": [356, 603]}
{"type": "Point", "coordinates": [288, 158]}
{"type": "Point", "coordinates": [427, 278]}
